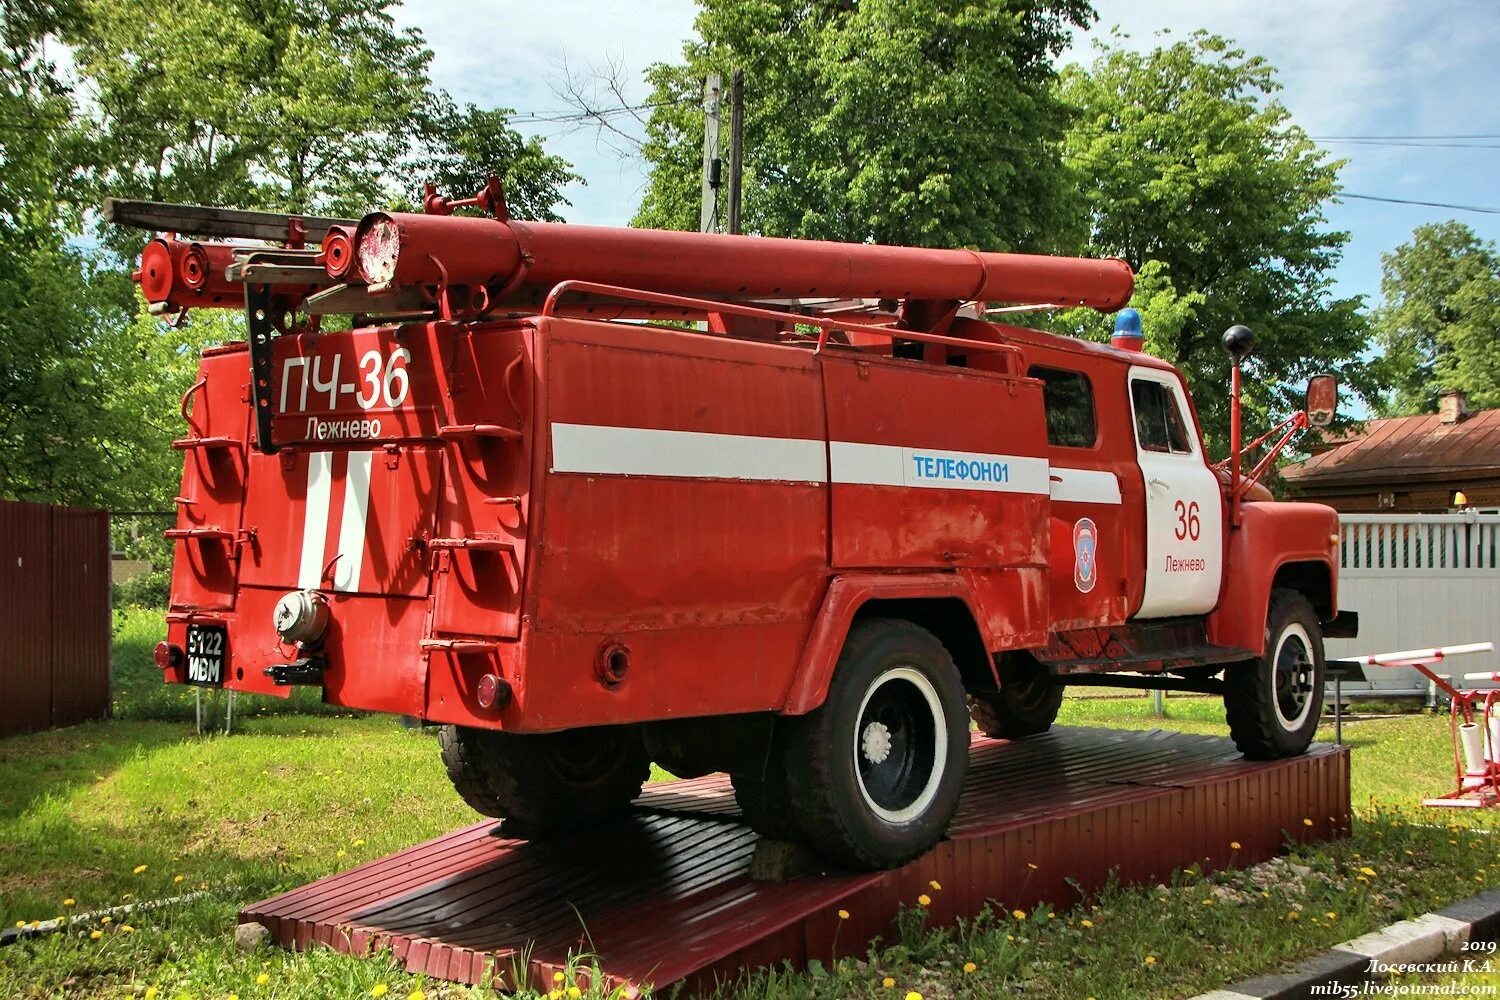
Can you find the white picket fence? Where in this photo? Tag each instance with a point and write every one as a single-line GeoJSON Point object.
{"type": "Point", "coordinates": [1419, 580]}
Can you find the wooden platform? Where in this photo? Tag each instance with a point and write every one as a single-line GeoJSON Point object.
{"type": "Point", "coordinates": [663, 895]}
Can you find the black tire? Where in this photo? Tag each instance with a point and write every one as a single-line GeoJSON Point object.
{"type": "Point", "coordinates": [875, 773]}
{"type": "Point", "coordinates": [551, 781]}
{"type": "Point", "coordinates": [766, 804]}
{"type": "Point", "coordinates": [1026, 704]}
{"type": "Point", "coordinates": [1273, 703]}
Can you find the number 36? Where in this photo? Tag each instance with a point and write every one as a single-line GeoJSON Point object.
{"type": "Point", "coordinates": [1187, 520]}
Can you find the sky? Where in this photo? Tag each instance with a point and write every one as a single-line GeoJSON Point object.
{"type": "Point", "coordinates": [1348, 68]}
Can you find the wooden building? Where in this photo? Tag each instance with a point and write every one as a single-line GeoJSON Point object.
{"type": "Point", "coordinates": [1431, 463]}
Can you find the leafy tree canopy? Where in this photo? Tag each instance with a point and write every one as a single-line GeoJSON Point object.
{"type": "Point", "coordinates": [1187, 161]}
{"type": "Point", "coordinates": [917, 122]}
{"type": "Point", "coordinates": [1439, 323]}
{"type": "Point", "coordinates": [318, 106]}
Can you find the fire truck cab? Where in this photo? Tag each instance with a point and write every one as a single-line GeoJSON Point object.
{"type": "Point", "coordinates": [804, 547]}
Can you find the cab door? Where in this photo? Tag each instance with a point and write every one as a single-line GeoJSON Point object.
{"type": "Point", "coordinates": [1184, 512]}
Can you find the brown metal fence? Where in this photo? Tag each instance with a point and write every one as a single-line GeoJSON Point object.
{"type": "Point", "coordinates": [54, 616]}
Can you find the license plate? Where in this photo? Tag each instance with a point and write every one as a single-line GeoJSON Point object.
{"type": "Point", "coordinates": [207, 654]}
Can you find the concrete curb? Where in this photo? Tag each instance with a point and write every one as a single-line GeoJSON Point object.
{"type": "Point", "coordinates": [1428, 938]}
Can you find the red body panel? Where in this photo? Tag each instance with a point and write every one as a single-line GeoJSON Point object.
{"type": "Point", "coordinates": [1272, 536]}
{"type": "Point", "coordinates": [628, 523]}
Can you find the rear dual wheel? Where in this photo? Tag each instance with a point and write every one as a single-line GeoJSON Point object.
{"type": "Point", "coordinates": [550, 781]}
{"type": "Point", "coordinates": [873, 776]}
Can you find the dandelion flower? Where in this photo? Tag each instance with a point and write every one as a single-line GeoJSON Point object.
{"type": "Point", "coordinates": [887, 982]}
{"type": "Point", "coordinates": [1367, 870]}
{"type": "Point", "coordinates": [262, 979]}
{"type": "Point", "coordinates": [1018, 914]}
{"type": "Point", "coordinates": [1234, 845]}
{"type": "Point", "coordinates": [106, 919]}
{"type": "Point", "coordinates": [970, 967]}
{"type": "Point", "coordinates": [1086, 923]}
{"type": "Point", "coordinates": [1150, 959]}
{"type": "Point", "coordinates": [151, 993]}
{"type": "Point", "coordinates": [1306, 821]}
{"type": "Point", "coordinates": [341, 852]}
{"type": "Point", "coordinates": [139, 869]}
{"type": "Point", "coordinates": [554, 994]}
{"type": "Point", "coordinates": [126, 929]}
{"type": "Point", "coordinates": [416, 995]}
{"type": "Point", "coordinates": [843, 914]}
{"type": "Point", "coordinates": [1293, 915]}
{"type": "Point", "coordinates": [95, 935]}
{"type": "Point", "coordinates": [574, 993]}
{"type": "Point", "coordinates": [70, 901]}
{"type": "Point", "coordinates": [558, 977]}
{"type": "Point", "coordinates": [924, 900]}
{"type": "Point", "coordinates": [1331, 915]}
{"type": "Point", "coordinates": [360, 842]}
{"type": "Point", "coordinates": [379, 990]}
{"type": "Point", "coordinates": [232, 996]}
{"type": "Point", "coordinates": [934, 886]}
{"type": "Point", "coordinates": [913, 995]}
{"type": "Point", "coordinates": [176, 879]}
{"type": "Point", "coordinates": [1208, 902]}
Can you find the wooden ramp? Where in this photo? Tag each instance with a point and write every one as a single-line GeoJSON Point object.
{"type": "Point", "coordinates": [664, 894]}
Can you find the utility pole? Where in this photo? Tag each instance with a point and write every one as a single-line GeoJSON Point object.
{"type": "Point", "coordinates": [736, 146]}
{"type": "Point", "coordinates": [712, 165]}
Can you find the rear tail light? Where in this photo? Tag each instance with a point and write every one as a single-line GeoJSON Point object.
{"type": "Point", "coordinates": [167, 656]}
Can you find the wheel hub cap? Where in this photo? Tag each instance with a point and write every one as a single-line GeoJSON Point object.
{"type": "Point", "coordinates": [876, 743]}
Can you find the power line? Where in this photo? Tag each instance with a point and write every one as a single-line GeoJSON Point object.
{"type": "Point", "coordinates": [1427, 204]}
{"type": "Point", "coordinates": [1372, 138]}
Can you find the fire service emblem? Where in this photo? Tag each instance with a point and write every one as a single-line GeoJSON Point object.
{"type": "Point", "coordinates": [1085, 563]}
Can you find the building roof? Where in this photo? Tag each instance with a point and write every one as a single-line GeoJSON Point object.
{"type": "Point", "coordinates": [1406, 449]}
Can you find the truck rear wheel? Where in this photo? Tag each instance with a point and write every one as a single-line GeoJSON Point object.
{"type": "Point", "coordinates": [874, 774]}
{"type": "Point", "coordinates": [1273, 703]}
{"type": "Point", "coordinates": [1026, 704]}
{"type": "Point", "coordinates": [551, 781]}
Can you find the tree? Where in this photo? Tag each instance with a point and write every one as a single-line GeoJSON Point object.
{"type": "Point", "coordinates": [1439, 323]}
{"type": "Point", "coordinates": [275, 104]}
{"type": "Point", "coordinates": [318, 106]}
{"type": "Point", "coordinates": [1186, 159]}
{"type": "Point", "coordinates": [929, 122]}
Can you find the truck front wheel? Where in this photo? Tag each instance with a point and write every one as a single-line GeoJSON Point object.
{"type": "Point", "coordinates": [1273, 702]}
{"type": "Point", "coordinates": [1026, 704]}
{"type": "Point", "coordinates": [550, 781]}
{"type": "Point", "coordinates": [875, 773]}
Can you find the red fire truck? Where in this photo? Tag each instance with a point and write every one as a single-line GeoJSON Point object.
{"type": "Point", "coordinates": [591, 498]}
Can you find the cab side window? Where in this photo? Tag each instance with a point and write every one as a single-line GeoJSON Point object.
{"type": "Point", "coordinates": [1069, 401]}
{"type": "Point", "coordinates": [1159, 425]}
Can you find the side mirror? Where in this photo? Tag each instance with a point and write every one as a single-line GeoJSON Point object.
{"type": "Point", "coordinates": [1322, 399]}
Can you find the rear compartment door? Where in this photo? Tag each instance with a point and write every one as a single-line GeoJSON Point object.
{"type": "Point", "coordinates": [348, 502]}
{"type": "Point", "coordinates": [942, 468]}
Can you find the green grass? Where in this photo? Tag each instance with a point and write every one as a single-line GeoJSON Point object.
{"type": "Point", "coordinates": [290, 798]}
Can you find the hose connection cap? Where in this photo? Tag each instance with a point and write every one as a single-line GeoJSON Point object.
{"type": "Point", "coordinates": [301, 616]}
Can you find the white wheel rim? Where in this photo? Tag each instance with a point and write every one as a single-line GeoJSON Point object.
{"type": "Point", "coordinates": [1293, 631]}
{"type": "Point", "coordinates": [878, 740]}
